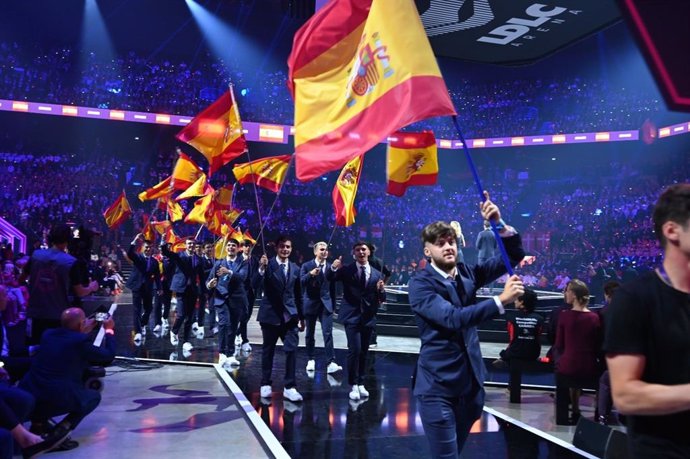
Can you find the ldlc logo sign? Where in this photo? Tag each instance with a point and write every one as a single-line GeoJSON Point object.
{"type": "Point", "coordinates": [517, 27]}
{"type": "Point", "coordinates": [479, 30]}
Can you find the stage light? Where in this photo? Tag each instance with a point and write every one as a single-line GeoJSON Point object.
{"type": "Point", "coordinates": [401, 244]}
{"type": "Point", "coordinates": [244, 91]}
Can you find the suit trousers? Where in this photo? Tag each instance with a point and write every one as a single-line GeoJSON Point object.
{"type": "Point", "coordinates": [251, 297]}
{"type": "Point", "coordinates": [185, 312]}
{"type": "Point", "coordinates": [447, 421]}
{"type": "Point", "coordinates": [16, 407]}
{"type": "Point", "coordinates": [142, 300]}
{"type": "Point", "coordinates": [326, 319]}
{"type": "Point", "coordinates": [228, 323]}
{"type": "Point", "coordinates": [75, 400]}
{"type": "Point", "coordinates": [289, 335]}
{"type": "Point", "coordinates": [200, 312]}
{"type": "Point", "coordinates": [358, 337]}
{"type": "Point", "coordinates": [162, 303]}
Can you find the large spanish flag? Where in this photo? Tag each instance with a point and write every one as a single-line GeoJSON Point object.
{"type": "Point", "coordinates": [360, 70]}
{"type": "Point", "coordinates": [159, 190]}
{"type": "Point", "coordinates": [118, 212]}
{"type": "Point", "coordinates": [412, 159]}
{"type": "Point", "coordinates": [217, 132]}
{"type": "Point", "coordinates": [344, 192]}
{"type": "Point", "coordinates": [185, 173]}
{"type": "Point", "coordinates": [268, 172]}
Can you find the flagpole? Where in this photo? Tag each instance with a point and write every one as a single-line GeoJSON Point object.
{"type": "Point", "coordinates": [499, 239]}
{"type": "Point", "coordinates": [198, 232]}
{"type": "Point", "coordinates": [335, 227]}
{"type": "Point", "coordinates": [280, 190]}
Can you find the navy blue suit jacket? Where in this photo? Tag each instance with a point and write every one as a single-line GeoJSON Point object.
{"type": "Point", "coordinates": [447, 314]}
{"type": "Point", "coordinates": [282, 300]}
{"type": "Point", "coordinates": [145, 274]}
{"type": "Point", "coordinates": [187, 269]}
{"type": "Point", "coordinates": [230, 289]}
{"type": "Point", "coordinates": [358, 307]}
{"type": "Point", "coordinates": [317, 291]}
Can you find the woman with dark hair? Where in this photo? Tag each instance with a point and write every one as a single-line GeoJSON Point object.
{"type": "Point", "coordinates": [578, 341]}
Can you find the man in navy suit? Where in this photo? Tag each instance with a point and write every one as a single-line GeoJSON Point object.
{"type": "Point", "coordinates": [318, 302]}
{"type": "Point", "coordinates": [279, 315]}
{"type": "Point", "coordinates": [252, 266]}
{"type": "Point", "coordinates": [188, 271]}
{"type": "Point", "coordinates": [55, 377]}
{"type": "Point", "coordinates": [363, 292]}
{"type": "Point", "coordinates": [144, 278]}
{"type": "Point", "coordinates": [449, 376]}
{"type": "Point", "coordinates": [228, 296]}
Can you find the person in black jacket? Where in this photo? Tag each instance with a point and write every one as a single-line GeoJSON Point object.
{"type": "Point", "coordinates": [279, 315]}
{"type": "Point", "coordinates": [226, 284]}
{"type": "Point", "coordinates": [144, 281]}
{"type": "Point", "coordinates": [253, 291]}
{"type": "Point", "coordinates": [363, 292]}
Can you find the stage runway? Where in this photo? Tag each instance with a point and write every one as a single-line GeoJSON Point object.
{"type": "Point", "coordinates": [161, 399]}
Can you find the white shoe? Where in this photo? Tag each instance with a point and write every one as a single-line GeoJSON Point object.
{"type": "Point", "coordinates": [363, 391]}
{"type": "Point", "coordinates": [333, 382]}
{"type": "Point", "coordinates": [174, 339]}
{"type": "Point", "coordinates": [292, 395]}
{"type": "Point", "coordinates": [157, 329]}
{"type": "Point", "coordinates": [333, 368]}
{"type": "Point", "coordinates": [231, 362]}
{"type": "Point", "coordinates": [195, 326]}
{"type": "Point", "coordinates": [200, 333]}
{"type": "Point", "coordinates": [246, 347]}
{"type": "Point", "coordinates": [165, 323]}
{"type": "Point", "coordinates": [186, 354]}
{"type": "Point", "coordinates": [173, 356]}
{"type": "Point", "coordinates": [238, 340]}
{"type": "Point", "coordinates": [222, 358]}
{"type": "Point", "coordinates": [266, 391]}
{"type": "Point", "coordinates": [311, 365]}
{"type": "Point", "coordinates": [137, 337]}
{"type": "Point", "coordinates": [173, 301]}
{"type": "Point", "coordinates": [187, 346]}
{"type": "Point", "coordinates": [354, 393]}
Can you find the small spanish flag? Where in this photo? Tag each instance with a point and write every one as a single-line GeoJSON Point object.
{"type": "Point", "coordinates": [217, 132]}
{"type": "Point", "coordinates": [412, 159]}
{"type": "Point", "coordinates": [118, 212]}
{"type": "Point", "coordinates": [161, 227]}
{"type": "Point", "coordinates": [186, 172]}
{"type": "Point", "coordinates": [345, 190]}
{"type": "Point", "coordinates": [159, 190]}
{"type": "Point", "coordinates": [223, 198]}
{"type": "Point", "coordinates": [148, 231]}
{"type": "Point", "coordinates": [198, 188]}
{"type": "Point", "coordinates": [267, 173]}
{"type": "Point", "coordinates": [201, 211]}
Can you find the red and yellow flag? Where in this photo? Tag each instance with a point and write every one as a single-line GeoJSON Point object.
{"type": "Point", "coordinates": [411, 160]}
{"type": "Point", "coordinates": [118, 212]}
{"type": "Point", "coordinates": [344, 192]}
{"type": "Point", "coordinates": [148, 231]}
{"type": "Point", "coordinates": [223, 198]}
{"type": "Point", "coordinates": [268, 173]}
{"type": "Point", "coordinates": [159, 190]}
{"type": "Point", "coordinates": [198, 188]}
{"type": "Point", "coordinates": [161, 227]}
{"type": "Point", "coordinates": [248, 237]}
{"type": "Point", "coordinates": [360, 70]}
{"type": "Point", "coordinates": [177, 244]}
{"type": "Point", "coordinates": [201, 211]}
{"type": "Point", "coordinates": [186, 172]}
{"type": "Point", "coordinates": [217, 132]}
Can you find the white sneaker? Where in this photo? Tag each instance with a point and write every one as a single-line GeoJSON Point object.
{"type": "Point", "coordinates": [232, 362]}
{"type": "Point", "coordinates": [195, 326]}
{"type": "Point", "coordinates": [266, 391]}
{"type": "Point", "coordinates": [157, 329]}
{"type": "Point", "coordinates": [333, 382]}
{"type": "Point", "coordinates": [363, 391]}
{"type": "Point", "coordinates": [292, 395]}
{"type": "Point", "coordinates": [354, 393]}
{"type": "Point", "coordinates": [333, 368]}
{"type": "Point", "coordinates": [238, 340]}
{"type": "Point", "coordinates": [246, 347]}
{"type": "Point", "coordinates": [222, 358]}
{"type": "Point", "coordinates": [137, 337]}
{"type": "Point", "coordinates": [173, 301]}
{"type": "Point", "coordinates": [174, 339]}
{"type": "Point", "coordinates": [187, 346]}
{"type": "Point", "coordinates": [311, 365]}
{"type": "Point", "coordinates": [173, 356]}
{"type": "Point", "coordinates": [200, 333]}
{"type": "Point", "coordinates": [165, 323]}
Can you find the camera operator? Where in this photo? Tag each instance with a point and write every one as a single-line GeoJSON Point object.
{"type": "Point", "coordinates": [55, 280]}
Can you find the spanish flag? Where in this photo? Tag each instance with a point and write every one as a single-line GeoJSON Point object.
{"type": "Point", "coordinates": [223, 198]}
{"type": "Point", "coordinates": [360, 70]}
{"type": "Point", "coordinates": [411, 160]}
{"type": "Point", "coordinates": [201, 211]}
{"type": "Point", "coordinates": [177, 244]}
{"type": "Point", "coordinates": [161, 227]}
{"type": "Point", "coordinates": [198, 188]}
{"type": "Point", "coordinates": [248, 237]}
{"type": "Point", "coordinates": [174, 210]}
{"type": "Point", "coordinates": [344, 192]}
{"type": "Point", "coordinates": [159, 190]}
{"type": "Point", "coordinates": [118, 212]}
{"type": "Point", "coordinates": [186, 172]}
{"type": "Point", "coordinates": [148, 231]}
{"type": "Point", "coordinates": [268, 172]}
{"type": "Point", "coordinates": [217, 132]}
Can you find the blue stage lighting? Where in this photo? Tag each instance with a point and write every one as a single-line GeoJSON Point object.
{"type": "Point", "coordinates": [244, 91]}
